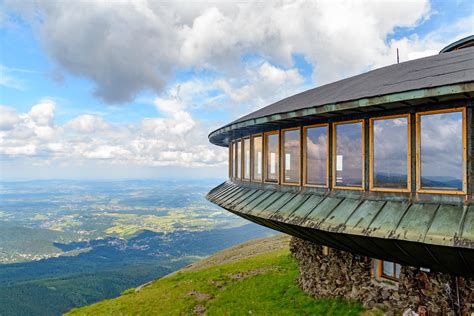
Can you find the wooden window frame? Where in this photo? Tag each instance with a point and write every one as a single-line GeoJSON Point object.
{"type": "Point", "coordinates": [252, 171]}
{"type": "Point", "coordinates": [326, 251]}
{"type": "Point", "coordinates": [234, 157]}
{"type": "Point", "coordinates": [265, 177]}
{"type": "Point", "coordinates": [334, 153]}
{"type": "Point", "coordinates": [382, 275]}
{"type": "Point", "coordinates": [371, 154]}
{"type": "Point", "coordinates": [239, 174]}
{"type": "Point", "coordinates": [282, 151]}
{"type": "Point", "coordinates": [231, 160]}
{"type": "Point", "coordinates": [419, 189]}
{"type": "Point", "coordinates": [305, 156]}
{"type": "Point", "coordinates": [243, 160]}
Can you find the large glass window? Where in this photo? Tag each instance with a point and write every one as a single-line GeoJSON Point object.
{"type": "Point", "coordinates": [441, 151]}
{"type": "Point", "coordinates": [390, 153]}
{"type": "Point", "coordinates": [316, 155]}
{"type": "Point", "coordinates": [257, 152]}
{"type": "Point", "coordinates": [246, 153]}
{"type": "Point", "coordinates": [231, 158]}
{"type": "Point", "coordinates": [272, 165]}
{"type": "Point", "coordinates": [291, 155]}
{"type": "Point", "coordinates": [238, 159]}
{"type": "Point", "coordinates": [348, 158]}
{"type": "Point", "coordinates": [234, 160]}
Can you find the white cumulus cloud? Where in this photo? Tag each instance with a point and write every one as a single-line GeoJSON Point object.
{"type": "Point", "coordinates": [126, 47]}
{"type": "Point", "coordinates": [175, 140]}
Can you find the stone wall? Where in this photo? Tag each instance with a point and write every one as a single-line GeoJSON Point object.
{"type": "Point", "coordinates": [342, 274]}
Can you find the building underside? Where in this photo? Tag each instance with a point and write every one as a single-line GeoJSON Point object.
{"type": "Point", "coordinates": [434, 235]}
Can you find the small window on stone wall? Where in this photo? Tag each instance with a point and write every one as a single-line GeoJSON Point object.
{"type": "Point", "coordinates": [389, 270]}
{"type": "Point", "coordinates": [326, 251]}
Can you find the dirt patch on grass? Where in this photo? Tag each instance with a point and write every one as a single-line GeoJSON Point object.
{"type": "Point", "coordinates": [200, 296]}
{"type": "Point", "coordinates": [199, 309]}
{"type": "Point", "coordinates": [248, 274]}
{"type": "Point", "coordinates": [217, 283]}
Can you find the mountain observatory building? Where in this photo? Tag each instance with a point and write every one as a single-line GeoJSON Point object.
{"type": "Point", "coordinates": [373, 177]}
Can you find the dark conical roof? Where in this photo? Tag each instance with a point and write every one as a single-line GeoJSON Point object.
{"type": "Point", "coordinates": [450, 68]}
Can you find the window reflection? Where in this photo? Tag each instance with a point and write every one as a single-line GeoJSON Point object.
{"type": "Point", "coordinates": [398, 269]}
{"type": "Point", "coordinates": [391, 269]}
{"type": "Point", "coordinates": [441, 151]}
{"type": "Point", "coordinates": [231, 170]}
{"type": "Point", "coordinates": [291, 155]}
{"type": "Point", "coordinates": [390, 153]}
{"type": "Point", "coordinates": [272, 159]}
{"type": "Point", "coordinates": [234, 162]}
{"type": "Point", "coordinates": [238, 159]}
{"type": "Point", "coordinates": [348, 159]}
{"type": "Point", "coordinates": [316, 155]}
{"type": "Point", "coordinates": [257, 158]}
{"type": "Point", "coordinates": [387, 268]}
{"type": "Point", "coordinates": [246, 153]}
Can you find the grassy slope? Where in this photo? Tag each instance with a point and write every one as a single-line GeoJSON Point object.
{"type": "Point", "coordinates": [258, 277]}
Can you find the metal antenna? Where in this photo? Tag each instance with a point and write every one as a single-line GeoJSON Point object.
{"type": "Point", "coordinates": [398, 57]}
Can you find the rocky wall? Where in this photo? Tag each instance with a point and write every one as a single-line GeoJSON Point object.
{"type": "Point", "coordinates": [342, 274]}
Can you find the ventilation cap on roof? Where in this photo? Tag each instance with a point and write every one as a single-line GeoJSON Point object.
{"type": "Point", "coordinates": [460, 44]}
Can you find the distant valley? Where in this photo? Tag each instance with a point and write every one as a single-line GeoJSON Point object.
{"type": "Point", "coordinates": [72, 243]}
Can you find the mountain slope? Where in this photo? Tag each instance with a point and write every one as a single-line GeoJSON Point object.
{"type": "Point", "coordinates": [257, 277]}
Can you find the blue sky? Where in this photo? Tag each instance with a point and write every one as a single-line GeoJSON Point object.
{"type": "Point", "coordinates": [131, 90]}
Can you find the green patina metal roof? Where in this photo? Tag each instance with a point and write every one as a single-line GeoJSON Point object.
{"type": "Point", "coordinates": [436, 234]}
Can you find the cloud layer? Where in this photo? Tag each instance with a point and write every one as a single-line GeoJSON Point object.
{"type": "Point", "coordinates": [126, 47]}
{"type": "Point", "coordinates": [175, 140]}
{"type": "Point", "coordinates": [236, 57]}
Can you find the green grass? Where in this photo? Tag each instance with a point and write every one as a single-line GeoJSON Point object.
{"type": "Point", "coordinates": [261, 285]}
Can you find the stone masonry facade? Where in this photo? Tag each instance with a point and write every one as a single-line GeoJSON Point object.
{"type": "Point", "coordinates": [340, 274]}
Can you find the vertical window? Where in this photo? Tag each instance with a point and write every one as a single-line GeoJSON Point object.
{"type": "Point", "coordinates": [390, 153]}
{"type": "Point", "coordinates": [234, 160]}
{"type": "Point", "coordinates": [349, 155]}
{"type": "Point", "coordinates": [291, 155]}
{"type": "Point", "coordinates": [257, 152]}
{"type": "Point", "coordinates": [315, 141]}
{"type": "Point", "coordinates": [238, 159]}
{"type": "Point", "coordinates": [441, 152]}
{"type": "Point", "coordinates": [272, 165]}
{"type": "Point", "coordinates": [231, 158]}
{"type": "Point", "coordinates": [246, 153]}
{"type": "Point", "coordinates": [390, 270]}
